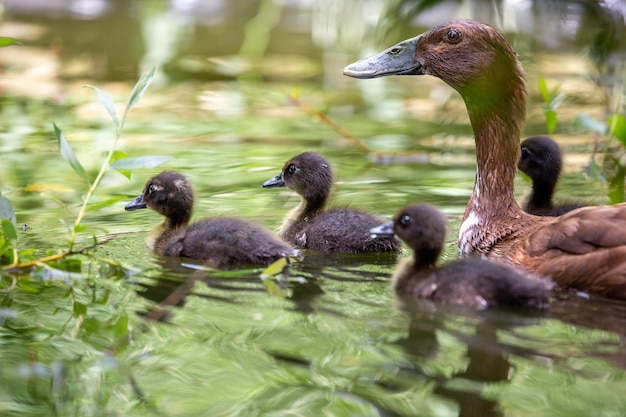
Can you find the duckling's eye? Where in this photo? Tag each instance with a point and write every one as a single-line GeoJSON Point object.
{"type": "Point", "coordinates": [395, 50]}
{"type": "Point", "coordinates": [291, 169]}
{"type": "Point", "coordinates": [153, 188]}
{"type": "Point", "coordinates": [405, 220]}
{"type": "Point", "coordinates": [453, 36]}
{"type": "Point", "coordinates": [526, 153]}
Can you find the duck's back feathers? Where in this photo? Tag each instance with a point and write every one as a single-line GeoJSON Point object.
{"type": "Point", "coordinates": [473, 282]}
{"type": "Point", "coordinates": [223, 242]}
{"type": "Point", "coordinates": [344, 230]}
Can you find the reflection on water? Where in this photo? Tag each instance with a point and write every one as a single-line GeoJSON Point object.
{"type": "Point", "coordinates": [151, 336]}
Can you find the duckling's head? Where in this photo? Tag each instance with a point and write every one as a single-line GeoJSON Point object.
{"type": "Point", "coordinates": [421, 226]}
{"type": "Point", "coordinates": [309, 174]}
{"type": "Point", "coordinates": [169, 194]}
{"type": "Point", "coordinates": [541, 158]}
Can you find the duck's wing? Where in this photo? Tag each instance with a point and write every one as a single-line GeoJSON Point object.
{"type": "Point", "coordinates": [583, 249]}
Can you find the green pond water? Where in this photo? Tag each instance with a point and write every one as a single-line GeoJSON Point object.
{"type": "Point", "coordinates": [131, 334]}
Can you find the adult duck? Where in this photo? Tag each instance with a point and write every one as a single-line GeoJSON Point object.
{"type": "Point", "coordinates": [473, 282]}
{"type": "Point", "coordinates": [541, 161]}
{"type": "Point", "coordinates": [583, 249]}
{"type": "Point", "coordinates": [310, 225]}
{"type": "Point", "coordinates": [222, 241]}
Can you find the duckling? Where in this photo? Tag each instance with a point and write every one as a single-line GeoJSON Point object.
{"type": "Point", "coordinates": [221, 241]}
{"type": "Point", "coordinates": [473, 282]}
{"type": "Point", "coordinates": [311, 226]}
{"type": "Point", "coordinates": [541, 161]}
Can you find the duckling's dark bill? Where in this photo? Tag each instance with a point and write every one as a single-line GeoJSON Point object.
{"type": "Point", "coordinates": [383, 230]}
{"type": "Point", "coordinates": [397, 60]}
{"type": "Point", "coordinates": [276, 181]}
{"type": "Point", "coordinates": [136, 204]}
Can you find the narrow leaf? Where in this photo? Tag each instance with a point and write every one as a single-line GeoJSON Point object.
{"type": "Point", "coordinates": [275, 268]}
{"type": "Point", "coordinates": [140, 162]}
{"type": "Point", "coordinates": [618, 127]}
{"type": "Point", "coordinates": [10, 233]}
{"type": "Point", "coordinates": [105, 99]}
{"type": "Point", "coordinates": [4, 41]}
{"type": "Point", "coordinates": [543, 89]}
{"type": "Point", "coordinates": [80, 309]}
{"type": "Point", "coordinates": [68, 154]}
{"type": "Point", "coordinates": [106, 203]}
{"type": "Point", "coordinates": [587, 122]}
{"type": "Point", "coordinates": [550, 121]}
{"type": "Point", "coordinates": [142, 85]}
{"type": "Point", "coordinates": [6, 209]}
{"type": "Point", "coordinates": [117, 155]}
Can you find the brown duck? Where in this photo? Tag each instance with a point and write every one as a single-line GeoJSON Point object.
{"type": "Point", "coordinates": [222, 241]}
{"type": "Point", "coordinates": [583, 249]}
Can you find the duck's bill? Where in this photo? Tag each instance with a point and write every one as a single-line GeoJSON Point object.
{"type": "Point", "coordinates": [383, 230]}
{"type": "Point", "coordinates": [136, 204]}
{"type": "Point", "coordinates": [397, 60]}
{"type": "Point", "coordinates": [276, 181]}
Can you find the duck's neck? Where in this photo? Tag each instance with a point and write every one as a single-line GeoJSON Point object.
{"type": "Point", "coordinates": [497, 122]}
{"type": "Point", "coordinates": [299, 217]}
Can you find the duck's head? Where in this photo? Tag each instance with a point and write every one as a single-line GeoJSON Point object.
{"type": "Point", "coordinates": [169, 194]}
{"type": "Point", "coordinates": [472, 57]}
{"type": "Point", "coordinates": [541, 158]}
{"type": "Point", "coordinates": [309, 174]}
{"type": "Point", "coordinates": [421, 226]}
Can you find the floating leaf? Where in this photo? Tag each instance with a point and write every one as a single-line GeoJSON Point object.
{"type": "Point", "coordinates": [140, 87]}
{"type": "Point", "coordinates": [618, 127]}
{"type": "Point", "coordinates": [68, 154]}
{"type": "Point", "coordinates": [105, 99]}
{"type": "Point", "coordinates": [275, 268]}
{"type": "Point", "coordinates": [140, 162]}
{"type": "Point", "coordinates": [6, 209]}
{"type": "Point", "coordinates": [4, 41]}
{"type": "Point", "coordinates": [587, 122]}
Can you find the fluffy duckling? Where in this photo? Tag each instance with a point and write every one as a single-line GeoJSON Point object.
{"type": "Point", "coordinates": [221, 241]}
{"type": "Point", "coordinates": [473, 282]}
{"type": "Point", "coordinates": [541, 161]}
{"type": "Point", "coordinates": [311, 226]}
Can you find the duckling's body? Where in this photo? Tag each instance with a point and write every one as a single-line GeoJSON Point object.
{"type": "Point", "coordinates": [473, 282]}
{"type": "Point", "coordinates": [222, 241]}
{"type": "Point", "coordinates": [541, 161]}
{"type": "Point", "coordinates": [311, 226]}
{"type": "Point", "coordinates": [583, 249]}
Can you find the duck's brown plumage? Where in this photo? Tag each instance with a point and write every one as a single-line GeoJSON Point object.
{"type": "Point", "coordinates": [541, 161]}
{"type": "Point", "coordinates": [222, 241]}
{"type": "Point", "coordinates": [583, 249]}
{"type": "Point", "coordinates": [473, 282]}
{"type": "Point", "coordinates": [310, 225]}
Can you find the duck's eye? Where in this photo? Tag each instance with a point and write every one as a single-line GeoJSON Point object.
{"type": "Point", "coordinates": [526, 153]}
{"type": "Point", "coordinates": [395, 50]}
{"type": "Point", "coordinates": [404, 220]}
{"type": "Point", "coordinates": [153, 188]}
{"type": "Point", "coordinates": [453, 36]}
{"type": "Point", "coordinates": [291, 169]}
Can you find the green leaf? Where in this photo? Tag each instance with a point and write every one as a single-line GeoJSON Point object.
{"type": "Point", "coordinates": [10, 233]}
{"type": "Point", "coordinates": [80, 309]}
{"type": "Point", "coordinates": [275, 268]}
{"type": "Point", "coordinates": [140, 87]}
{"type": "Point", "coordinates": [617, 122]}
{"type": "Point", "coordinates": [6, 209]}
{"type": "Point", "coordinates": [106, 203]}
{"type": "Point", "coordinates": [550, 120]}
{"type": "Point", "coordinates": [68, 154]}
{"type": "Point", "coordinates": [587, 122]}
{"type": "Point", "coordinates": [117, 155]}
{"type": "Point", "coordinates": [616, 186]}
{"type": "Point", "coordinates": [140, 162]}
{"type": "Point", "coordinates": [105, 99]}
{"type": "Point", "coordinates": [4, 41]}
